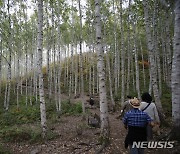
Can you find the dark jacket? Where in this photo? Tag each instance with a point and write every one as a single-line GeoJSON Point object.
{"type": "Point", "coordinates": [135, 134]}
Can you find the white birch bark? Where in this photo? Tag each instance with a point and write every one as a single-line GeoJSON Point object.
{"type": "Point", "coordinates": [0, 65]}
{"type": "Point", "coordinates": [176, 72]}
{"type": "Point", "coordinates": [40, 60]}
{"type": "Point", "coordinates": [5, 96]}
{"type": "Point", "coordinates": [168, 48]}
{"type": "Point", "coordinates": [67, 66]}
{"type": "Point", "coordinates": [31, 80]}
{"type": "Point", "coordinates": [90, 59]}
{"type": "Point", "coordinates": [136, 62]}
{"type": "Point", "coordinates": [156, 48]}
{"type": "Point", "coordinates": [163, 54]}
{"type": "Point", "coordinates": [10, 54]}
{"type": "Point", "coordinates": [18, 79]}
{"type": "Point", "coordinates": [152, 61]}
{"type": "Point", "coordinates": [110, 81]}
{"type": "Point", "coordinates": [93, 74]}
{"type": "Point", "coordinates": [49, 38]}
{"type": "Point", "coordinates": [76, 72]}
{"type": "Point", "coordinates": [59, 60]}
{"type": "Point", "coordinates": [26, 56]}
{"type": "Point", "coordinates": [101, 74]}
{"type": "Point", "coordinates": [55, 75]}
{"type": "Point", "coordinates": [54, 58]}
{"type": "Point", "coordinates": [142, 59]}
{"type": "Point", "coordinates": [26, 86]}
{"type": "Point", "coordinates": [115, 53]}
{"type": "Point", "coordinates": [50, 76]}
{"type": "Point", "coordinates": [133, 75]}
{"type": "Point", "coordinates": [70, 71]}
{"type": "Point", "coordinates": [72, 68]}
{"type": "Point", "coordinates": [81, 58]}
{"type": "Point", "coordinates": [128, 51]}
{"type": "Point", "coordinates": [35, 76]}
{"type": "Point", "coordinates": [150, 78]}
{"type": "Point", "coordinates": [122, 57]}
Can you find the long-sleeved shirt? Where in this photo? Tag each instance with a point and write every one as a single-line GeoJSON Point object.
{"type": "Point", "coordinates": [126, 106]}
{"type": "Point", "coordinates": [151, 111]}
{"type": "Point", "coordinates": [137, 118]}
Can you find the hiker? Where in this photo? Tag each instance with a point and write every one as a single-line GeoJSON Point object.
{"type": "Point", "coordinates": [150, 108]}
{"type": "Point", "coordinates": [136, 122]}
{"type": "Point", "coordinates": [91, 101]}
{"type": "Point", "coordinates": [125, 107]}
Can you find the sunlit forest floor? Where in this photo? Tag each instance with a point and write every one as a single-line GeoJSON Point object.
{"type": "Point", "coordinates": [74, 136]}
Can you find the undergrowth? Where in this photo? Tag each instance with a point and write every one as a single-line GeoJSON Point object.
{"type": "Point", "coordinates": [16, 123]}
{"type": "Point", "coordinates": [4, 150]}
{"type": "Point", "coordinates": [71, 108]}
{"type": "Point", "coordinates": [25, 133]}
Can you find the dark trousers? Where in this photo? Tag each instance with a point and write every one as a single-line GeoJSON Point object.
{"type": "Point", "coordinates": [136, 150]}
{"type": "Point", "coordinates": [149, 133]}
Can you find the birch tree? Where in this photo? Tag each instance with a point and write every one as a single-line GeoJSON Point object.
{"type": "Point", "coordinates": [10, 58]}
{"type": "Point", "coordinates": [0, 63]}
{"type": "Point", "coordinates": [59, 58]}
{"type": "Point", "coordinates": [176, 74]}
{"type": "Point", "coordinates": [151, 53]}
{"type": "Point", "coordinates": [115, 52]}
{"type": "Point", "coordinates": [122, 56]}
{"type": "Point", "coordinates": [81, 58]}
{"type": "Point", "coordinates": [110, 82]}
{"type": "Point", "coordinates": [101, 73]}
{"type": "Point", "coordinates": [40, 60]}
{"type": "Point", "coordinates": [136, 60]}
{"type": "Point", "coordinates": [128, 49]}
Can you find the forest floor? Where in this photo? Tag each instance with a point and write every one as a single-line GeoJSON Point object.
{"type": "Point", "coordinates": [69, 142]}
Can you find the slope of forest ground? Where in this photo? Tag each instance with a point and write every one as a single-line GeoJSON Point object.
{"type": "Point", "coordinates": [68, 133]}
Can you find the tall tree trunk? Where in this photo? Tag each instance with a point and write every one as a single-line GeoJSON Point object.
{"type": "Point", "coordinates": [128, 50]}
{"type": "Point", "coordinates": [81, 58]}
{"type": "Point", "coordinates": [133, 75]}
{"type": "Point", "coordinates": [40, 60]}
{"type": "Point", "coordinates": [152, 61]}
{"type": "Point", "coordinates": [101, 74]}
{"type": "Point", "coordinates": [168, 48]}
{"type": "Point", "coordinates": [176, 74]}
{"type": "Point", "coordinates": [5, 96]}
{"type": "Point", "coordinates": [26, 56]}
{"type": "Point", "coordinates": [122, 57]}
{"type": "Point", "coordinates": [164, 67]}
{"type": "Point", "coordinates": [31, 79]}
{"type": "Point", "coordinates": [115, 53]}
{"type": "Point", "coordinates": [142, 59]}
{"type": "Point", "coordinates": [70, 71]}
{"type": "Point", "coordinates": [76, 72]}
{"type": "Point", "coordinates": [49, 38]}
{"type": "Point", "coordinates": [90, 70]}
{"type": "Point", "coordinates": [0, 65]}
{"type": "Point", "coordinates": [110, 82]}
{"type": "Point", "coordinates": [18, 81]}
{"type": "Point", "coordinates": [150, 78]}
{"type": "Point", "coordinates": [10, 54]}
{"type": "Point", "coordinates": [54, 58]}
{"type": "Point", "coordinates": [59, 60]}
{"type": "Point", "coordinates": [156, 48]}
{"type": "Point", "coordinates": [136, 62]}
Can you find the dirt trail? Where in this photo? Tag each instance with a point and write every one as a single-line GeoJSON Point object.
{"type": "Point", "coordinates": [68, 142]}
